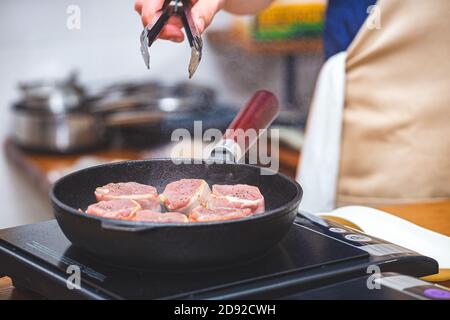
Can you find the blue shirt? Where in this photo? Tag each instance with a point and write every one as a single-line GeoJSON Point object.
{"type": "Point", "coordinates": [344, 18]}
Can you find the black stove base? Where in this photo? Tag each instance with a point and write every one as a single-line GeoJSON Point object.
{"type": "Point", "coordinates": [313, 254]}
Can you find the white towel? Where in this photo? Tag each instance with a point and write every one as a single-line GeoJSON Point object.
{"type": "Point", "coordinates": [319, 166]}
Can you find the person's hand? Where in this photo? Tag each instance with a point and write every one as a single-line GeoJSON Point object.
{"type": "Point", "coordinates": [203, 12]}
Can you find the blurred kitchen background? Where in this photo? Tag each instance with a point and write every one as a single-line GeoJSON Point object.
{"type": "Point", "coordinates": [240, 56]}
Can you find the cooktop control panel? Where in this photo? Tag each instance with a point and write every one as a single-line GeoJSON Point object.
{"type": "Point", "coordinates": [374, 246]}
{"type": "Point", "coordinates": [388, 286]}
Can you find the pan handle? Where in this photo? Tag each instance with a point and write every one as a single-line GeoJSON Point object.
{"type": "Point", "coordinates": [114, 226]}
{"type": "Point", "coordinates": [257, 114]}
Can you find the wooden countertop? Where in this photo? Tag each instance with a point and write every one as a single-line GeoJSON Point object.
{"type": "Point", "coordinates": [434, 216]}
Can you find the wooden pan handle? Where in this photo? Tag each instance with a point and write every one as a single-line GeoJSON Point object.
{"type": "Point", "coordinates": [257, 114]}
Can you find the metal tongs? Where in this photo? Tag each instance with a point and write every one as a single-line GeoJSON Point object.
{"type": "Point", "coordinates": [181, 8]}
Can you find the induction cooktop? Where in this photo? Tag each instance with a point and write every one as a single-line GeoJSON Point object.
{"type": "Point", "coordinates": [315, 253]}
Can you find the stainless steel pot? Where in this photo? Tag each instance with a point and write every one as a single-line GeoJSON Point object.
{"type": "Point", "coordinates": [57, 117]}
{"type": "Point", "coordinates": [55, 96]}
{"type": "Point", "coordinates": [153, 96]}
{"type": "Point", "coordinates": [60, 133]}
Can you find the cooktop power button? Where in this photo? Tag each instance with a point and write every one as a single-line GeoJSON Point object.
{"type": "Point", "coordinates": [337, 230]}
{"type": "Point", "coordinates": [437, 294]}
{"type": "Point", "coordinates": [357, 238]}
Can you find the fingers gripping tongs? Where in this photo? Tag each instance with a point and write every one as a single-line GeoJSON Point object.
{"type": "Point", "coordinates": [182, 9]}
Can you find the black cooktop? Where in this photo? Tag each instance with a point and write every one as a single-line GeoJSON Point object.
{"type": "Point", "coordinates": [313, 254]}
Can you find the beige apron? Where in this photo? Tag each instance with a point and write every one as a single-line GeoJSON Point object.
{"type": "Point", "coordinates": [396, 119]}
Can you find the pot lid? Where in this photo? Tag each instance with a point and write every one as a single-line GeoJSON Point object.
{"type": "Point", "coordinates": [180, 97]}
{"type": "Point", "coordinates": [54, 96]}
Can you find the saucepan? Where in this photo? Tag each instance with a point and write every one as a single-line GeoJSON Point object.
{"type": "Point", "coordinates": [189, 245]}
{"type": "Point", "coordinates": [59, 117]}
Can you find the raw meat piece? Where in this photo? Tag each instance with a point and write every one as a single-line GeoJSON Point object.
{"type": "Point", "coordinates": [150, 204]}
{"type": "Point", "coordinates": [145, 195]}
{"type": "Point", "coordinates": [185, 194]}
{"type": "Point", "coordinates": [125, 190]}
{"type": "Point", "coordinates": [152, 216]}
{"type": "Point", "coordinates": [236, 196]}
{"type": "Point", "coordinates": [202, 214]}
{"type": "Point", "coordinates": [122, 209]}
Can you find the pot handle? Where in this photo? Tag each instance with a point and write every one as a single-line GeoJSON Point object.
{"type": "Point", "coordinates": [121, 227]}
{"type": "Point", "coordinates": [257, 114]}
{"type": "Point", "coordinates": [131, 118]}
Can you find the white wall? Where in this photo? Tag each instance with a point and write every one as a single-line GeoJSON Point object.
{"type": "Point", "coordinates": [36, 43]}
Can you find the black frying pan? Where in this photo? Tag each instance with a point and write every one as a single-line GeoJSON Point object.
{"type": "Point", "coordinates": [175, 246]}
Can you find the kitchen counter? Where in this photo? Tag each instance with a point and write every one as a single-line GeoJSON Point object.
{"type": "Point", "coordinates": [434, 216]}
